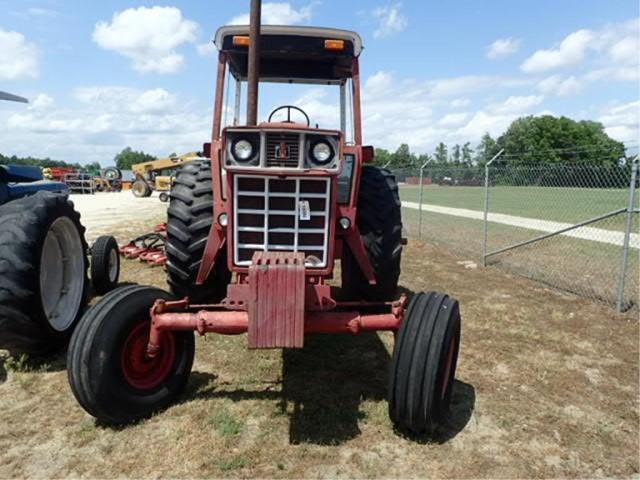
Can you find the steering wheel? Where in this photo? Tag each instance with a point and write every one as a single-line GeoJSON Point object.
{"type": "Point", "coordinates": [289, 108]}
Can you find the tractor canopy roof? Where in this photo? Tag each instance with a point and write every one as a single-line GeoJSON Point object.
{"type": "Point", "coordinates": [292, 54]}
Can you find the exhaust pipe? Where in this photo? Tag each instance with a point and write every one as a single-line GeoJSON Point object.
{"type": "Point", "coordinates": [253, 73]}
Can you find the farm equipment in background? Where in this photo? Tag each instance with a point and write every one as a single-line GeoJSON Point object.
{"type": "Point", "coordinates": [17, 181]}
{"type": "Point", "coordinates": [276, 204]}
{"type": "Point", "coordinates": [44, 285]}
{"type": "Point", "coordinates": [148, 248]}
{"type": "Point", "coordinates": [157, 175]}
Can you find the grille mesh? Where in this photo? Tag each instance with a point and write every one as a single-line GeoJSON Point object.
{"type": "Point", "coordinates": [267, 217]}
{"type": "Point", "coordinates": [283, 150]}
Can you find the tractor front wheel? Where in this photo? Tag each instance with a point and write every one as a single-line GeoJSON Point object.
{"type": "Point", "coordinates": [141, 189]}
{"type": "Point", "coordinates": [109, 371]}
{"type": "Point", "coordinates": [424, 363]}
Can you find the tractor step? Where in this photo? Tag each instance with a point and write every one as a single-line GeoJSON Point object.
{"type": "Point", "coordinates": [277, 295]}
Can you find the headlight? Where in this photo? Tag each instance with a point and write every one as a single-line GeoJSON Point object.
{"type": "Point", "coordinates": [242, 150]}
{"type": "Point", "coordinates": [321, 153]}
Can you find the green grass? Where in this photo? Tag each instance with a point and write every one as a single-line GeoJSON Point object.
{"type": "Point", "coordinates": [548, 203]}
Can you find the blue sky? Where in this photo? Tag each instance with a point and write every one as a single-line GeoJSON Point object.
{"type": "Point", "coordinates": [104, 75]}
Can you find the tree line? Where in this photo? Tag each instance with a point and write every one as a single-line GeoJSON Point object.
{"type": "Point", "coordinates": [529, 141]}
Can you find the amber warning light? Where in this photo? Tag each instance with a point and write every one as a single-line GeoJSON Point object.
{"type": "Point", "coordinates": [334, 44]}
{"type": "Point", "coordinates": [240, 41]}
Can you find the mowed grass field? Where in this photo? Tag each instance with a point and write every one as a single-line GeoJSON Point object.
{"type": "Point", "coordinates": [547, 386]}
{"type": "Point", "coordinates": [570, 205]}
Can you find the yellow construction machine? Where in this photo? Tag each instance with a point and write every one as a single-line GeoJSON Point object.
{"type": "Point", "coordinates": [158, 174]}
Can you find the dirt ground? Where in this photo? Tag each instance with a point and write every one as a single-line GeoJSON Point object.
{"type": "Point", "coordinates": [547, 386]}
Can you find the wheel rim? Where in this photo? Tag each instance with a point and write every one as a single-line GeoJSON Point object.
{"type": "Point", "coordinates": [448, 368]}
{"type": "Point", "coordinates": [114, 262]}
{"type": "Point", "coordinates": [139, 370]}
{"type": "Point", "coordinates": [61, 274]}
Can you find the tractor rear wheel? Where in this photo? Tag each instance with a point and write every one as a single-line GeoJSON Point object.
{"type": "Point", "coordinates": [43, 273]}
{"type": "Point", "coordinates": [105, 264]}
{"type": "Point", "coordinates": [380, 224]}
{"type": "Point", "coordinates": [424, 362]}
{"type": "Point", "coordinates": [141, 189]}
{"type": "Point", "coordinates": [108, 369]}
{"type": "Point", "coordinates": [190, 217]}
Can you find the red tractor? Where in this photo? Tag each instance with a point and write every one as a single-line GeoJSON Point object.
{"type": "Point", "coordinates": [253, 236]}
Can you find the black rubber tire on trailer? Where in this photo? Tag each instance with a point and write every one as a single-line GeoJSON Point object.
{"type": "Point", "coordinates": [380, 223]}
{"type": "Point", "coordinates": [424, 363]}
{"type": "Point", "coordinates": [190, 217]}
{"type": "Point", "coordinates": [141, 189]}
{"type": "Point", "coordinates": [112, 173]}
{"type": "Point", "coordinates": [164, 197]}
{"type": "Point", "coordinates": [107, 367]}
{"type": "Point", "coordinates": [42, 294]}
{"type": "Point", "coordinates": [105, 264]}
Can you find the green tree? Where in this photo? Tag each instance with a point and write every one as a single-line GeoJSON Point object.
{"type": "Point", "coordinates": [467, 154]}
{"type": "Point", "coordinates": [403, 158]}
{"type": "Point", "coordinates": [486, 149]}
{"type": "Point", "coordinates": [441, 155]}
{"type": "Point", "coordinates": [381, 157]}
{"type": "Point", "coordinates": [551, 140]}
{"type": "Point", "coordinates": [128, 157]}
{"type": "Point", "coordinates": [456, 154]}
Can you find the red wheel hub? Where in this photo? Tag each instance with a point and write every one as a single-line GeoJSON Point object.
{"type": "Point", "coordinates": [138, 369]}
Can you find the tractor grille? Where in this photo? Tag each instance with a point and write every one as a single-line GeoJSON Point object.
{"type": "Point", "coordinates": [283, 150]}
{"type": "Point", "coordinates": [281, 215]}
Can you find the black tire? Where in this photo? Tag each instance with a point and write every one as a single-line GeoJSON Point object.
{"type": "Point", "coordinates": [105, 264]}
{"type": "Point", "coordinates": [112, 173]}
{"type": "Point", "coordinates": [141, 189]}
{"type": "Point", "coordinates": [190, 217]}
{"type": "Point", "coordinates": [99, 351]}
{"type": "Point", "coordinates": [28, 322]}
{"type": "Point", "coordinates": [380, 223]}
{"type": "Point", "coordinates": [164, 197]}
{"type": "Point", "coordinates": [424, 363]}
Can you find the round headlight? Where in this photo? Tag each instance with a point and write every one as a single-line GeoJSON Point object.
{"type": "Point", "coordinates": [242, 150]}
{"type": "Point", "coordinates": [321, 153]}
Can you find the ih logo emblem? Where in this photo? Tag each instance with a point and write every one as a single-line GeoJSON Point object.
{"type": "Point", "coordinates": [282, 151]}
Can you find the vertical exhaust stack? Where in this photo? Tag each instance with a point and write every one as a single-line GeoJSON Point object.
{"type": "Point", "coordinates": [253, 62]}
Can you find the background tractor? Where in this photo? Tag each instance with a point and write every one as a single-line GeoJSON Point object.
{"type": "Point", "coordinates": [253, 235]}
{"type": "Point", "coordinates": [44, 285]}
{"type": "Point", "coordinates": [157, 175]}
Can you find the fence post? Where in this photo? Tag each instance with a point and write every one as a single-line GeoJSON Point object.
{"type": "Point", "coordinates": [627, 236]}
{"type": "Point", "coordinates": [486, 207]}
{"type": "Point", "coordinates": [420, 198]}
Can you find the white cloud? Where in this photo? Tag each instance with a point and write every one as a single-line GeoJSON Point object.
{"type": "Point", "coordinates": [41, 102]}
{"type": "Point", "coordinates": [148, 36]}
{"type": "Point", "coordinates": [454, 119]}
{"type": "Point", "coordinates": [516, 104]}
{"type": "Point", "coordinates": [622, 122]}
{"type": "Point", "coordinates": [41, 12]}
{"type": "Point", "coordinates": [18, 57]}
{"type": "Point", "coordinates": [459, 103]}
{"type": "Point", "coordinates": [390, 20]}
{"type": "Point", "coordinates": [278, 13]}
{"type": "Point", "coordinates": [570, 52]}
{"type": "Point", "coordinates": [206, 49]}
{"type": "Point", "coordinates": [107, 119]}
{"type": "Point", "coordinates": [560, 85]}
{"type": "Point", "coordinates": [503, 47]}
{"type": "Point", "coordinates": [615, 44]}
{"type": "Point", "coordinates": [113, 98]}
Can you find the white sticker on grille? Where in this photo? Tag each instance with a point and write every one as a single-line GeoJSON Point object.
{"type": "Point", "coordinates": [304, 210]}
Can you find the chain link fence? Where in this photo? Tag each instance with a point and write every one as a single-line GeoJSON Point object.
{"type": "Point", "coordinates": [572, 227]}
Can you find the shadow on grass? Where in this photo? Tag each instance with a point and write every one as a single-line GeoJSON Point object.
{"type": "Point", "coordinates": [324, 384]}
